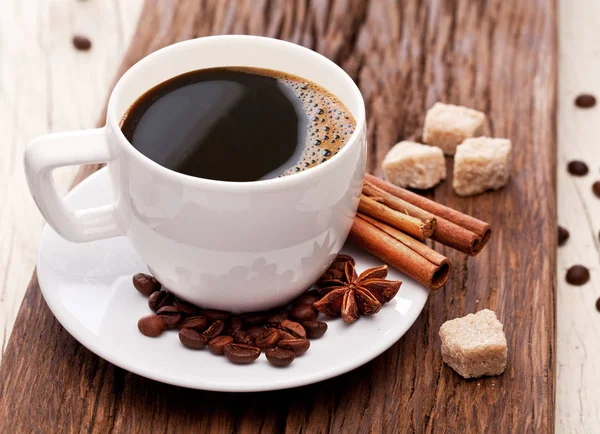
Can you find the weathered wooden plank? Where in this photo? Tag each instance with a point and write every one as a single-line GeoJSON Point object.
{"type": "Point", "coordinates": [46, 86]}
{"type": "Point", "coordinates": [498, 56]}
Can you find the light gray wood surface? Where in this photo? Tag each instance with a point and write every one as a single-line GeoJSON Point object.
{"type": "Point", "coordinates": [47, 86]}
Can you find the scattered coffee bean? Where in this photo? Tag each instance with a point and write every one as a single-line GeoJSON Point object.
{"type": "Point", "coordinates": [293, 328]}
{"type": "Point", "coordinates": [598, 305]}
{"type": "Point", "coordinates": [286, 336]}
{"type": "Point", "coordinates": [277, 316]}
{"type": "Point", "coordinates": [255, 331]}
{"type": "Point", "coordinates": [160, 299]}
{"type": "Point", "coordinates": [151, 325]}
{"type": "Point", "coordinates": [216, 345]}
{"type": "Point", "coordinates": [577, 168]}
{"type": "Point", "coordinates": [213, 315]}
{"type": "Point", "coordinates": [282, 332]}
{"type": "Point", "coordinates": [596, 188]}
{"type": "Point", "coordinates": [145, 283]}
{"type": "Point", "coordinates": [81, 42]}
{"type": "Point", "coordinates": [215, 329]}
{"type": "Point", "coordinates": [304, 313]}
{"type": "Point", "coordinates": [198, 323]}
{"type": "Point", "coordinates": [170, 315]}
{"type": "Point", "coordinates": [298, 346]}
{"type": "Point", "coordinates": [585, 101]}
{"type": "Point", "coordinates": [578, 275]}
{"type": "Point", "coordinates": [314, 329]}
{"type": "Point", "coordinates": [254, 318]}
{"type": "Point", "coordinates": [192, 339]}
{"type": "Point", "coordinates": [563, 236]}
{"type": "Point", "coordinates": [235, 324]}
{"type": "Point", "coordinates": [240, 353]}
{"type": "Point", "coordinates": [279, 356]}
{"type": "Point", "coordinates": [186, 308]}
{"type": "Point", "coordinates": [242, 337]}
{"type": "Point", "coordinates": [307, 299]}
{"type": "Point", "coordinates": [268, 339]}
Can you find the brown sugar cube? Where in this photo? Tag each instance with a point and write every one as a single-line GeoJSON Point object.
{"type": "Point", "coordinates": [481, 164]}
{"type": "Point", "coordinates": [447, 125]}
{"type": "Point", "coordinates": [410, 164]}
{"type": "Point", "coordinates": [474, 345]}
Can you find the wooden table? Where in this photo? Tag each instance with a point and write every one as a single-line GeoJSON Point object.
{"type": "Point", "coordinates": [437, 83]}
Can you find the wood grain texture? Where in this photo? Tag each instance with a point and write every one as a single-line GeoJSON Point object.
{"type": "Point", "coordinates": [578, 337]}
{"type": "Point", "coordinates": [47, 86]}
{"type": "Point", "coordinates": [496, 56]}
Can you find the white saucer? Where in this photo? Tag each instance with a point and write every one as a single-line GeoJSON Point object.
{"type": "Point", "coordinates": [88, 288]}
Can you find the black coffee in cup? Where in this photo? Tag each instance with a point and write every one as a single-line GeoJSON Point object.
{"type": "Point", "coordinates": [238, 124]}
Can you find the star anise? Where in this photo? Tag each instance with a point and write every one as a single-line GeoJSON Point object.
{"type": "Point", "coordinates": [356, 295]}
{"type": "Point", "coordinates": [335, 274]}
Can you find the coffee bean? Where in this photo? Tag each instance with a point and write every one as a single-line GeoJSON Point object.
{"type": "Point", "coordinates": [213, 315]}
{"type": "Point", "coordinates": [598, 305]}
{"type": "Point", "coordinates": [585, 101]}
{"type": "Point", "coordinates": [151, 325]}
{"type": "Point", "coordinates": [198, 323]}
{"type": "Point", "coordinates": [577, 168]}
{"type": "Point", "coordinates": [255, 331]}
{"type": "Point", "coordinates": [286, 336]}
{"type": "Point", "coordinates": [160, 299]}
{"type": "Point", "coordinates": [235, 324]}
{"type": "Point", "coordinates": [215, 329]}
{"type": "Point", "coordinates": [314, 329]}
{"type": "Point", "coordinates": [578, 275]}
{"type": "Point", "coordinates": [277, 316]}
{"type": "Point", "coordinates": [596, 188]}
{"type": "Point", "coordinates": [242, 337]}
{"type": "Point", "coordinates": [170, 315]}
{"type": "Point", "coordinates": [216, 345]}
{"type": "Point", "coordinates": [145, 283]}
{"type": "Point", "coordinates": [304, 313]}
{"type": "Point", "coordinates": [293, 328]}
{"type": "Point", "coordinates": [307, 298]}
{"type": "Point", "coordinates": [563, 236]}
{"type": "Point", "coordinates": [186, 308]}
{"type": "Point", "coordinates": [240, 353]}
{"type": "Point", "coordinates": [268, 339]}
{"type": "Point", "coordinates": [192, 339]}
{"type": "Point", "coordinates": [279, 356]}
{"type": "Point", "coordinates": [82, 42]}
{"type": "Point", "coordinates": [254, 318]}
{"type": "Point", "coordinates": [298, 346]}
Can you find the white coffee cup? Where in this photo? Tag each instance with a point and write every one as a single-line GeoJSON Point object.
{"type": "Point", "coordinates": [222, 245]}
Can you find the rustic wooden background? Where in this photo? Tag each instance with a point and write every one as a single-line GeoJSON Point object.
{"type": "Point", "coordinates": [497, 56]}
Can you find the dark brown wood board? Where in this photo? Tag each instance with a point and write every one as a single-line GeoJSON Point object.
{"type": "Point", "coordinates": [499, 56]}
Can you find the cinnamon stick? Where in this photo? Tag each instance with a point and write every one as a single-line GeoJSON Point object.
{"type": "Point", "coordinates": [414, 226]}
{"type": "Point", "coordinates": [454, 229]}
{"type": "Point", "coordinates": [400, 205]}
{"type": "Point", "coordinates": [408, 255]}
{"type": "Point", "coordinates": [395, 202]}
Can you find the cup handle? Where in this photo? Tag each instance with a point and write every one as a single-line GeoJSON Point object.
{"type": "Point", "coordinates": [50, 151]}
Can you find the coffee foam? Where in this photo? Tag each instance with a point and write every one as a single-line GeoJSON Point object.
{"type": "Point", "coordinates": [330, 123]}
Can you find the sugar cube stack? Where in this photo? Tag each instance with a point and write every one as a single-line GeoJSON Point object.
{"type": "Point", "coordinates": [474, 345]}
{"type": "Point", "coordinates": [410, 164]}
{"type": "Point", "coordinates": [447, 125]}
